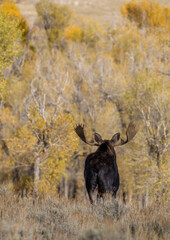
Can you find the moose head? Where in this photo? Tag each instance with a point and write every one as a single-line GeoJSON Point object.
{"type": "Point", "coordinates": [130, 133]}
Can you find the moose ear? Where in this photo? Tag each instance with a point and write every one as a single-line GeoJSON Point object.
{"type": "Point", "coordinates": [115, 138]}
{"type": "Point", "coordinates": [98, 138]}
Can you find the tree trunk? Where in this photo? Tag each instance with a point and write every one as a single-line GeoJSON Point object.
{"type": "Point", "coordinates": [147, 197]}
{"type": "Point", "coordinates": [66, 187]}
{"type": "Point", "coordinates": [36, 175]}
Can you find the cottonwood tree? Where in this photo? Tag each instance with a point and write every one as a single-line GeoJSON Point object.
{"type": "Point", "coordinates": [155, 118]}
{"type": "Point", "coordinates": [11, 42]}
{"type": "Point", "coordinates": [41, 148]}
{"type": "Point", "coordinates": [55, 19]}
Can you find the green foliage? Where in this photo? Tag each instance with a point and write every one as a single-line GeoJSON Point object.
{"type": "Point", "coordinates": [55, 19]}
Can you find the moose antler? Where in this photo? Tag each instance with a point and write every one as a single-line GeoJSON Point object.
{"type": "Point", "coordinates": [79, 129]}
{"type": "Point", "coordinates": [130, 133]}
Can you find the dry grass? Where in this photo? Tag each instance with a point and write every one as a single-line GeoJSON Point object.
{"type": "Point", "coordinates": [54, 218]}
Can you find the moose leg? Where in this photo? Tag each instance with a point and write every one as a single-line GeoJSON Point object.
{"type": "Point", "coordinates": [114, 192]}
{"type": "Point", "coordinates": [99, 196]}
{"type": "Point", "coordinates": [114, 195]}
{"type": "Point", "coordinates": [91, 190]}
{"type": "Point", "coordinates": [102, 187]}
{"type": "Point", "coordinates": [91, 198]}
{"type": "Point", "coordinates": [91, 184]}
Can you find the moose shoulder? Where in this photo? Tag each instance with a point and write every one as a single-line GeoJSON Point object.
{"type": "Point", "coordinates": [101, 171]}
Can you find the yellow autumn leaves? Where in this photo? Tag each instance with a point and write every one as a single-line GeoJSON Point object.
{"type": "Point", "coordinates": [146, 13]}
{"type": "Point", "coordinates": [72, 71]}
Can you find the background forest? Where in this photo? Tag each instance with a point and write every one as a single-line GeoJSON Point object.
{"type": "Point", "coordinates": [65, 69]}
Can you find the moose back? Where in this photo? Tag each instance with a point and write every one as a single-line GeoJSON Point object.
{"type": "Point", "coordinates": [101, 171]}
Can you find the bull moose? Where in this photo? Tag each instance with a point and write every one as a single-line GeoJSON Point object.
{"type": "Point", "coordinates": [101, 171]}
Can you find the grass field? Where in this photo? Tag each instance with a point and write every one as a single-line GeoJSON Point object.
{"type": "Point", "coordinates": [60, 219]}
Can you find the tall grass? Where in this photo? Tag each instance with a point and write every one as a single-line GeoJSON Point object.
{"type": "Point", "coordinates": [58, 218]}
